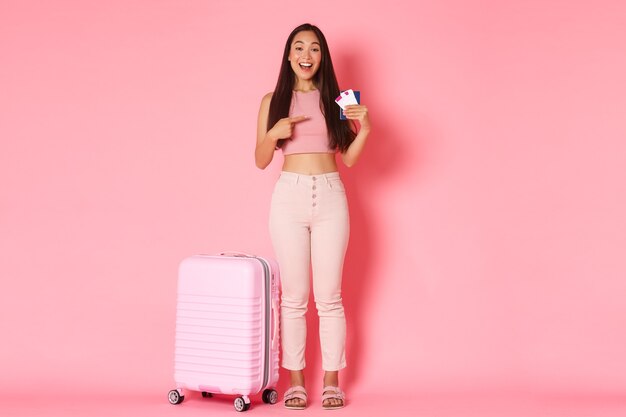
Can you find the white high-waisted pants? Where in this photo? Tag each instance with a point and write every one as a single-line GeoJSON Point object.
{"type": "Point", "coordinates": [309, 228]}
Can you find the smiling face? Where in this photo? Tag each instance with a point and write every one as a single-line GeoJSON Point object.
{"type": "Point", "coordinates": [305, 55]}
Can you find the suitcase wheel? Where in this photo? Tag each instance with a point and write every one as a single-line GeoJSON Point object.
{"type": "Point", "coordinates": [241, 405]}
{"type": "Point", "coordinates": [174, 397]}
{"type": "Point", "coordinates": [270, 396]}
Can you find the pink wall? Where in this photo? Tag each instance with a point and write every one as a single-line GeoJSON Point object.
{"type": "Point", "coordinates": [487, 213]}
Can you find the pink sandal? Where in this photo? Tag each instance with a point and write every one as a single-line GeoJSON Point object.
{"type": "Point", "coordinates": [295, 392]}
{"type": "Point", "coordinates": [333, 393]}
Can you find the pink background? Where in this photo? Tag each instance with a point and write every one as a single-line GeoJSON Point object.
{"type": "Point", "coordinates": [486, 272]}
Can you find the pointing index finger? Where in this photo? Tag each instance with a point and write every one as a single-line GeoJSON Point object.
{"type": "Point", "coordinates": [297, 119]}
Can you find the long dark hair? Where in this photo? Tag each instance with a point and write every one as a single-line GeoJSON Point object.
{"type": "Point", "coordinates": [340, 136]}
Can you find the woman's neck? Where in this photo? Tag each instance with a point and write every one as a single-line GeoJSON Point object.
{"type": "Point", "coordinates": [304, 86]}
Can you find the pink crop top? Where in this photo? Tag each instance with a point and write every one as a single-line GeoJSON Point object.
{"type": "Point", "coordinates": [310, 135]}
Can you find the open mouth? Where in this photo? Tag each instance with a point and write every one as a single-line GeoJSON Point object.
{"type": "Point", "coordinates": [305, 66]}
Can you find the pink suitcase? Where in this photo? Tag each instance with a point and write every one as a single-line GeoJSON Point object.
{"type": "Point", "coordinates": [227, 328]}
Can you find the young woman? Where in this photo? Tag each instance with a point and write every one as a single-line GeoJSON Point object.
{"type": "Point", "coordinates": [309, 223]}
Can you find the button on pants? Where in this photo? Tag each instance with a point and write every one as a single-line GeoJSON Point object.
{"type": "Point", "coordinates": [309, 227]}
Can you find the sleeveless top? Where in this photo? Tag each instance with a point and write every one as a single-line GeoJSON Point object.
{"type": "Point", "coordinates": [310, 135]}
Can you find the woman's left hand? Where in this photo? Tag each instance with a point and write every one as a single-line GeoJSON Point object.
{"type": "Point", "coordinates": [358, 112]}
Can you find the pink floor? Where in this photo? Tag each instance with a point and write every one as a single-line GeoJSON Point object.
{"type": "Point", "coordinates": [484, 404]}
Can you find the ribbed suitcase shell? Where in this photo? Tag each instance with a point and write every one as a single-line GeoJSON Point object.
{"type": "Point", "coordinates": [227, 324]}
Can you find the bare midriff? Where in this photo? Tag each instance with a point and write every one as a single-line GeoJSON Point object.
{"type": "Point", "coordinates": [310, 163]}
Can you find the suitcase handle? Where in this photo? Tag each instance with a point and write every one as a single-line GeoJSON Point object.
{"type": "Point", "coordinates": [275, 308]}
{"type": "Point", "coordinates": [235, 253]}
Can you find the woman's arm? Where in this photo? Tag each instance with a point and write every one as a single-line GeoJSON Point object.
{"type": "Point", "coordinates": [352, 154]}
{"type": "Point", "coordinates": [266, 139]}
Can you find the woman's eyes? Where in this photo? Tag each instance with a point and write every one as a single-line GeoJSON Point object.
{"type": "Point", "coordinates": [300, 49]}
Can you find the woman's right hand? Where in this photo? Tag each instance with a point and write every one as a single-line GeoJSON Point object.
{"type": "Point", "coordinates": [284, 128]}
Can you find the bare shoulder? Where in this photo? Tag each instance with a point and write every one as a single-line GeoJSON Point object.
{"type": "Point", "coordinates": [265, 103]}
{"type": "Point", "coordinates": [264, 109]}
{"type": "Point", "coordinates": [267, 98]}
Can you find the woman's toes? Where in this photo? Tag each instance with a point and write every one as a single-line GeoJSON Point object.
{"type": "Point", "coordinates": [295, 402]}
